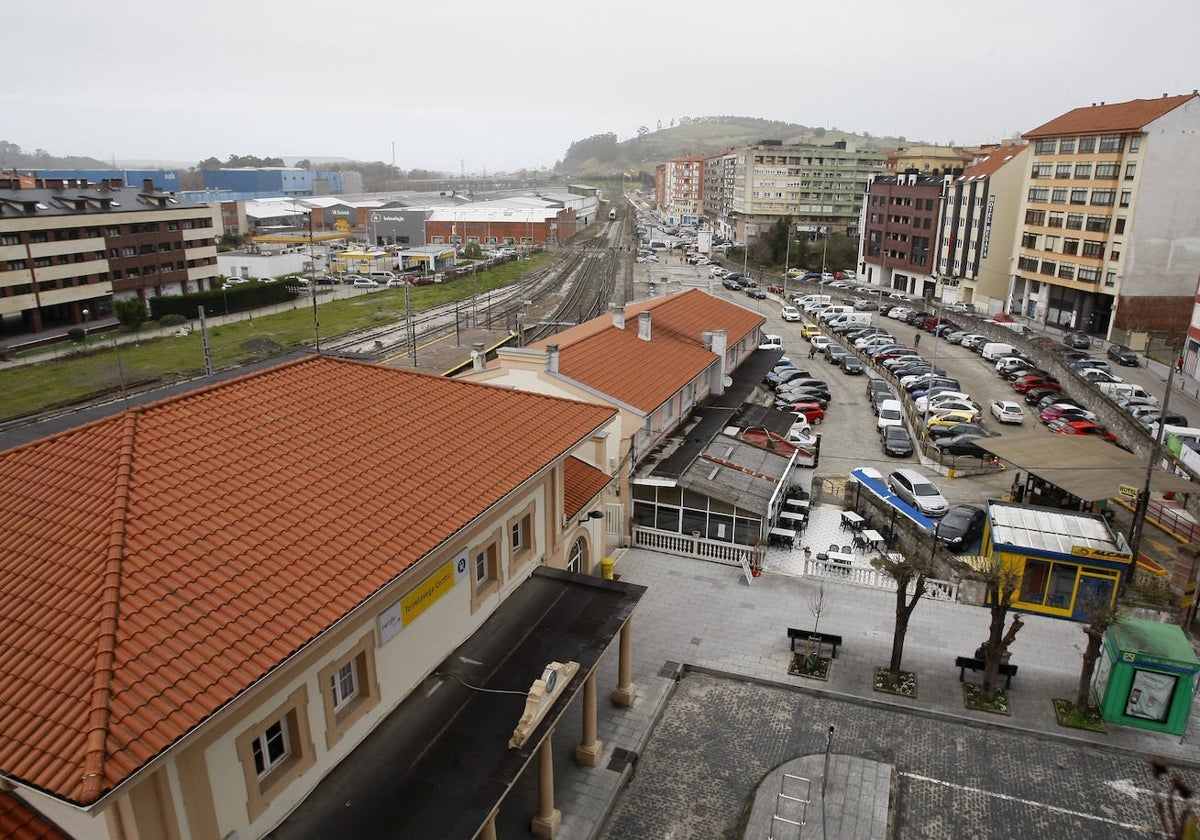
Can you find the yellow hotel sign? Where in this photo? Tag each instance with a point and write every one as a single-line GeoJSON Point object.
{"type": "Point", "coordinates": [426, 593]}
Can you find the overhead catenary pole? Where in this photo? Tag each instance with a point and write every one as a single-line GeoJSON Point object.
{"type": "Point", "coordinates": [1138, 525]}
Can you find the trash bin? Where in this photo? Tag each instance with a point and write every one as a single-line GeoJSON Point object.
{"type": "Point", "coordinates": [606, 568]}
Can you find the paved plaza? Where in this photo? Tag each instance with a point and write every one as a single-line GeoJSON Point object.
{"type": "Point", "coordinates": [717, 719]}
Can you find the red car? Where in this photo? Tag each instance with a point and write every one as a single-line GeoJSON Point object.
{"type": "Point", "coordinates": [811, 412]}
{"type": "Point", "coordinates": [1026, 383]}
{"type": "Point", "coordinates": [1065, 412]}
{"type": "Point", "coordinates": [1081, 427]}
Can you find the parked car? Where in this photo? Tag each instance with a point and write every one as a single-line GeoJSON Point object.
{"type": "Point", "coordinates": [945, 404]}
{"type": "Point", "coordinates": [932, 399]}
{"type": "Point", "coordinates": [961, 445]}
{"type": "Point", "coordinates": [1155, 415]}
{"type": "Point", "coordinates": [1008, 412]}
{"type": "Point", "coordinates": [851, 364]}
{"type": "Point", "coordinates": [960, 527]}
{"type": "Point", "coordinates": [1027, 383]}
{"type": "Point", "coordinates": [365, 283]}
{"type": "Point", "coordinates": [757, 293]}
{"type": "Point", "coordinates": [810, 411]}
{"type": "Point", "coordinates": [789, 313]}
{"type": "Point", "coordinates": [918, 491]}
{"type": "Point", "coordinates": [1077, 340]}
{"type": "Point", "coordinates": [1035, 395]}
{"type": "Point", "coordinates": [1096, 375]}
{"type": "Point", "coordinates": [1080, 427]}
{"type": "Point", "coordinates": [1062, 411]}
{"type": "Point", "coordinates": [1122, 355]}
{"type": "Point", "coordinates": [809, 330]}
{"type": "Point", "coordinates": [936, 433]}
{"type": "Point", "coordinates": [896, 442]}
{"type": "Point", "coordinates": [890, 413]}
{"type": "Point", "coordinates": [950, 418]}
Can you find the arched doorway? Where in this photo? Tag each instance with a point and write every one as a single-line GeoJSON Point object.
{"type": "Point", "coordinates": [577, 556]}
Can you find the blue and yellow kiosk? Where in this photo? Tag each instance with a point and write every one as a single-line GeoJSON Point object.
{"type": "Point", "coordinates": [1066, 560]}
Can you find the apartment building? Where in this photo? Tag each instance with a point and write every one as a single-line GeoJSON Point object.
{"type": "Point", "coordinates": [820, 187]}
{"type": "Point", "coordinates": [1108, 220]}
{"type": "Point", "coordinates": [69, 246]}
{"type": "Point", "coordinates": [928, 159]}
{"type": "Point", "coordinates": [679, 189]}
{"type": "Point", "coordinates": [220, 608]}
{"type": "Point", "coordinates": [716, 198]}
{"type": "Point", "coordinates": [901, 223]}
{"type": "Point", "coordinates": [979, 219]}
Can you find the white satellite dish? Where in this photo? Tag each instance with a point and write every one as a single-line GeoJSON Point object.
{"type": "Point", "coordinates": [727, 381]}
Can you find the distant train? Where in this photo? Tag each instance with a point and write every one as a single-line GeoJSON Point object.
{"type": "Point", "coordinates": [612, 214]}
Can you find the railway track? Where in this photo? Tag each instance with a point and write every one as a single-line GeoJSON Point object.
{"type": "Point", "coordinates": [577, 285]}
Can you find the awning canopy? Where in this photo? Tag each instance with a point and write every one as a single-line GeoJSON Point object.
{"type": "Point", "coordinates": [1086, 467]}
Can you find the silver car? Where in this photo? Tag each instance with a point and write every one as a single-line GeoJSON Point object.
{"type": "Point", "coordinates": [918, 491]}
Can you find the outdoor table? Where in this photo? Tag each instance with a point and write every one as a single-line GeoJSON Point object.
{"type": "Point", "coordinates": [873, 538]}
{"type": "Point", "coordinates": [785, 536]}
{"type": "Point", "coordinates": [789, 516]}
{"type": "Point", "coordinates": [796, 504]}
{"type": "Point", "coordinates": [851, 520]}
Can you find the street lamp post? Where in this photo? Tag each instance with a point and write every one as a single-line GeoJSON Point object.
{"type": "Point", "coordinates": [86, 313]}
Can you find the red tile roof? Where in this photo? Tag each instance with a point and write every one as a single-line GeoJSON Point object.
{"type": "Point", "coordinates": [644, 374]}
{"type": "Point", "coordinates": [991, 164]}
{"type": "Point", "coordinates": [581, 483]}
{"type": "Point", "coordinates": [18, 821]}
{"type": "Point", "coordinates": [155, 564]}
{"type": "Point", "coordinates": [1115, 118]}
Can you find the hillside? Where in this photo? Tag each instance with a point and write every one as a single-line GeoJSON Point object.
{"type": "Point", "coordinates": [604, 155]}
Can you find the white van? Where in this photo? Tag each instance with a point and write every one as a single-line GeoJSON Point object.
{"type": "Point", "coordinates": [770, 342]}
{"type": "Point", "coordinates": [1185, 433]}
{"type": "Point", "coordinates": [804, 300]}
{"type": "Point", "coordinates": [833, 311]}
{"type": "Point", "coordinates": [847, 319]}
{"type": "Point", "coordinates": [891, 413]}
{"type": "Point", "coordinates": [1121, 390]}
{"type": "Point", "coordinates": [382, 276]}
{"type": "Point", "coordinates": [993, 350]}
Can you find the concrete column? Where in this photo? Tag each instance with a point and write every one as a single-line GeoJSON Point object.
{"type": "Point", "coordinates": [625, 691]}
{"type": "Point", "coordinates": [548, 819]}
{"type": "Point", "coordinates": [589, 750]}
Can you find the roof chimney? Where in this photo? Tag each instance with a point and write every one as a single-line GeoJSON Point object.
{"type": "Point", "coordinates": [551, 358]}
{"type": "Point", "coordinates": [478, 357]}
{"type": "Point", "coordinates": [619, 317]}
{"type": "Point", "coordinates": [644, 326]}
{"type": "Point", "coordinates": [148, 184]}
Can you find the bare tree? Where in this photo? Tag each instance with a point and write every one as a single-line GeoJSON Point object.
{"type": "Point", "coordinates": [906, 572]}
{"type": "Point", "coordinates": [818, 607]}
{"type": "Point", "coordinates": [1173, 801]}
{"type": "Point", "coordinates": [1101, 614]}
{"type": "Point", "coordinates": [1002, 582]}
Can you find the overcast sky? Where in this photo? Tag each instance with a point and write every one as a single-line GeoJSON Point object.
{"type": "Point", "coordinates": [493, 85]}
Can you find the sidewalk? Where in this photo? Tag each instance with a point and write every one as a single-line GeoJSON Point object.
{"type": "Point", "coordinates": [705, 617]}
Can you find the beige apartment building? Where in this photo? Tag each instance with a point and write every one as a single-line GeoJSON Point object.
{"type": "Point", "coordinates": [978, 223]}
{"type": "Point", "coordinates": [679, 189]}
{"type": "Point", "coordinates": [820, 187]}
{"type": "Point", "coordinates": [1107, 225]}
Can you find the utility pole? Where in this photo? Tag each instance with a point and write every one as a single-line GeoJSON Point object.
{"type": "Point", "coordinates": [1143, 500]}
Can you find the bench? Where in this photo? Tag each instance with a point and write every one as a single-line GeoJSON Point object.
{"type": "Point", "coordinates": [962, 663]}
{"type": "Point", "coordinates": [820, 638]}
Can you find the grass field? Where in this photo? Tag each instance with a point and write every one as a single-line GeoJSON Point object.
{"type": "Point", "coordinates": [72, 373]}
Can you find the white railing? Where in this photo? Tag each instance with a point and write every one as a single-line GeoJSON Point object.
{"type": "Point", "coordinates": [729, 554]}
{"type": "Point", "coordinates": [935, 590]}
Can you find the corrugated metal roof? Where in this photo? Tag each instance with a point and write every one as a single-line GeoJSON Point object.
{"type": "Point", "coordinates": [1049, 529]}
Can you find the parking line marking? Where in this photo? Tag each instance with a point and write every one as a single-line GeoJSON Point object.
{"type": "Point", "coordinates": [1067, 811]}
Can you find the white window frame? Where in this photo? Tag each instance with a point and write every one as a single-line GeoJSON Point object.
{"type": "Point", "coordinates": [344, 685]}
{"type": "Point", "coordinates": [517, 540]}
{"type": "Point", "coordinates": [260, 748]}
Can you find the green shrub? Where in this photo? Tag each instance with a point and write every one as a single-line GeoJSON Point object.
{"type": "Point", "coordinates": [172, 319]}
{"type": "Point", "coordinates": [76, 334]}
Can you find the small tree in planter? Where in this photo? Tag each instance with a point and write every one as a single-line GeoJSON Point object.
{"type": "Point", "coordinates": [811, 662]}
{"type": "Point", "coordinates": [1002, 582]}
{"type": "Point", "coordinates": [904, 571]}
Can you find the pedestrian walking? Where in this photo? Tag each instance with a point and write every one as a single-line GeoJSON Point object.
{"type": "Point", "coordinates": [812, 352]}
{"type": "Point", "coordinates": [916, 340]}
{"type": "Point", "coordinates": [1179, 364]}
